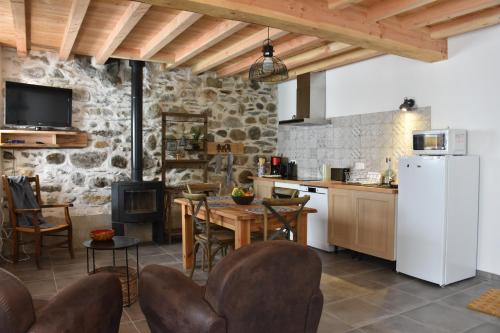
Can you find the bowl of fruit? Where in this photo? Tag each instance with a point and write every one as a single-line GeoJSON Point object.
{"type": "Point", "coordinates": [242, 196]}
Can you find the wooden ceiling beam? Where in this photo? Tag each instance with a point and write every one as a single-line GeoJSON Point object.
{"type": "Point", "coordinates": [445, 11]}
{"type": "Point", "coordinates": [243, 46]}
{"type": "Point", "coordinates": [280, 50]}
{"type": "Point", "coordinates": [341, 4]}
{"type": "Point", "coordinates": [334, 62]}
{"type": "Point", "coordinates": [133, 14]}
{"type": "Point", "coordinates": [18, 8]}
{"type": "Point", "coordinates": [475, 21]}
{"type": "Point", "coordinates": [220, 32]}
{"type": "Point", "coordinates": [316, 54]}
{"type": "Point", "coordinates": [170, 31]}
{"type": "Point", "coordinates": [390, 8]}
{"type": "Point", "coordinates": [134, 54]}
{"type": "Point", "coordinates": [75, 19]}
{"type": "Point", "coordinates": [312, 17]}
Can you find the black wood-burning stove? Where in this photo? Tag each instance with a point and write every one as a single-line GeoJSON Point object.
{"type": "Point", "coordinates": [137, 201]}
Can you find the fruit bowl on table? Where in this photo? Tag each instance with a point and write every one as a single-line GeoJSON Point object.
{"type": "Point", "coordinates": [102, 234]}
{"type": "Point", "coordinates": [243, 200]}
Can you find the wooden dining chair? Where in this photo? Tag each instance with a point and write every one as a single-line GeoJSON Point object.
{"type": "Point", "coordinates": [35, 230]}
{"type": "Point", "coordinates": [284, 193]}
{"type": "Point", "coordinates": [214, 189]}
{"type": "Point", "coordinates": [211, 241]}
{"type": "Point", "coordinates": [288, 219]}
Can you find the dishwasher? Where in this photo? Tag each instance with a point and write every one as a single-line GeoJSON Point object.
{"type": "Point", "coordinates": [317, 223]}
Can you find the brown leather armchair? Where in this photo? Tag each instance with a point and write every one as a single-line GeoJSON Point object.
{"type": "Point", "coordinates": [263, 287]}
{"type": "Point", "coordinates": [92, 305]}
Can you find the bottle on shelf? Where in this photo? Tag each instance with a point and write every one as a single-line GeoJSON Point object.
{"type": "Point", "coordinates": [389, 174]}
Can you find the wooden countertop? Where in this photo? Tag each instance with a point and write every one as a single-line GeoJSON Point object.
{"type": "Point", "coordinates": [331, 184]}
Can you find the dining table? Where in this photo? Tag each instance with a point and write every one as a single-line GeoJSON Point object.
{"type": "Point", "coordinates": [242, 219]}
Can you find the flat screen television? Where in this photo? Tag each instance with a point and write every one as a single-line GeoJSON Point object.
{"type": "Point", "coordinates": [32, 105]}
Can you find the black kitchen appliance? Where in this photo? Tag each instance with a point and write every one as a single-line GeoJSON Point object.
{"type": "Point", "coordinates": [275, 165]}
{"type": "Point", "coordinates": [340, 174]}
{"type": "Point", "coordinates": [290, 170]}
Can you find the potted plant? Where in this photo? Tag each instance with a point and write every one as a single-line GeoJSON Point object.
{"type": "Point", "coordinates": [196, 135]}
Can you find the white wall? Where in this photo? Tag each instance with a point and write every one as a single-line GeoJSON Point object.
{"type": "Point", "coordinates": [463, 91]}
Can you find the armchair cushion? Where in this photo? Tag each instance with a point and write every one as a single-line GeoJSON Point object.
{"type": "Point", "coordinates": [270, 286]}
{"type": "Point", "coordinates": [172, 303]}
{"type": "Point", "coordinates": [16, 306]}
{"type": "Point", "coordinates": [92, 305]}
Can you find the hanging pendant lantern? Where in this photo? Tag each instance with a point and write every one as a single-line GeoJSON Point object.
{"type": "Point", "coordinates": [268, 68]}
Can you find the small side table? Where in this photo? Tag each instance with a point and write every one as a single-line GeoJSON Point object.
{"type": "Point", "coordinates": [117, 243]}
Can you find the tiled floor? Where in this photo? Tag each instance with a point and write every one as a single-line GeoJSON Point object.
{"type": "Point", "coordinates": [360, 295]}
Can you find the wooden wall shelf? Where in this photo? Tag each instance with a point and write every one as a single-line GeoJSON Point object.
{"type": "Point", "coordinates": [42, 139]}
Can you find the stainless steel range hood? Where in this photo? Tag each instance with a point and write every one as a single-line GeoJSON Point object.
{"type": "Point", "coordinates": [311, 101]}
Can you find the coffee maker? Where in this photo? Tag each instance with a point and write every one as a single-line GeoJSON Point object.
{"type": "Point", "coordinates": [275, 165]}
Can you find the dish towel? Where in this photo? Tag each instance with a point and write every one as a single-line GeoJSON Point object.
{"type": "Point", "coordinates": [218, 164]}
{"type": "Point", "coordinates": [229, 177]}
{"type": "Point", "coordinates": [23, 197]}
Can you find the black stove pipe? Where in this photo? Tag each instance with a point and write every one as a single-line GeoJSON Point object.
{"type": "Point", "coordinates": [136, 115]}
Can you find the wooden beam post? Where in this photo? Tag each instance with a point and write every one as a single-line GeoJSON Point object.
{"type": "Point", "coordinates": [133, 14]}
{"type": "Point", "coordinates": [243, 46]}
{"type": "Point", "coordinates": [467, 23]}
{"type": "Point", "coordinates": [280, 50]}
{"type": "Point", "coordinates": [75, 19]}
{"type": "Point", "coordinates": [18, 8]}
{"type": "Point", "coordinates": [221, 31]}
{"type": "Point", "coordinates": [312, 17]}
{"type": "Point", "coordinates": [169, 32]}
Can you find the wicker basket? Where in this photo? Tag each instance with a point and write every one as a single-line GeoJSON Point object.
{"type": "Point", "coordinates": [121, 271]}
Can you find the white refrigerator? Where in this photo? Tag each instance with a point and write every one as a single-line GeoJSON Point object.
{"type": "Point", "coordinates": [437, 217]}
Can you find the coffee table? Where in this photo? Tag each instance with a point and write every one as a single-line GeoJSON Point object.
{"type": "Point", "coordinates": [117, 243]}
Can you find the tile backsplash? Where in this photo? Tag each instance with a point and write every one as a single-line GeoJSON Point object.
{"type": "Point", "coordinates": [367, 138]}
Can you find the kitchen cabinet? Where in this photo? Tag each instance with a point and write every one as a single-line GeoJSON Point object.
{"type": "Point", "coordinates": [341, 232]}
{"type": "Point", "coordinates": [363, 221]}
{"type": "Point", "coordinates": [263, 188]}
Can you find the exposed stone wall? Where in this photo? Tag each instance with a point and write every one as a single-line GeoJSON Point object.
{"type": "Point", "coordinates": [239, 112]}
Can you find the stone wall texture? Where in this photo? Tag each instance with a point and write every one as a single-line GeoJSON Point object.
{"type": "Point", "coordinates": [367, 138]}
{"type": "Point", "coordinates": [239, 112]}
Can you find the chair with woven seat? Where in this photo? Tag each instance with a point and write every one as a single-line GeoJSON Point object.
{"type": "Point", "coordinates": [284, 193]}
{"type": "Point", "coordinates": [203, 234]}
{"type": "Point", "coordinates": [29, 220]}
{"type": "Point", "coordinates": [288, 218]}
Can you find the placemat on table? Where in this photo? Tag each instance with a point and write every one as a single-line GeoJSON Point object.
{"type": "Point", "coordinates": [279, 209]}
{"type": "Point", "coordinates": [219, 198]}
{"type": "Point", "coordinates": [220, 204]}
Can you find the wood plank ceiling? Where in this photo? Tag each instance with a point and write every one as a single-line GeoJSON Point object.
{"type": "Point", "coordinates": [226, 35]}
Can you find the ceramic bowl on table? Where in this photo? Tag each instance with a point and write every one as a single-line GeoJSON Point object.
{"type": "Point", "coordinates": [243, 200]}
{"type": "Point", "coordinates": [102, 234]}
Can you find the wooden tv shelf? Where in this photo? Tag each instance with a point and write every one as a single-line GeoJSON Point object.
{"type": "Point", "coordinates": [42, 139]}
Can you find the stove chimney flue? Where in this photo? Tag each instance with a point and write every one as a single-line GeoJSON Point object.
{"type": "Point", "coordinates": [136, 118]}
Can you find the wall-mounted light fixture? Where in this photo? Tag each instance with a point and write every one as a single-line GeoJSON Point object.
{"type": "Point", "coordinates": [407, 105]}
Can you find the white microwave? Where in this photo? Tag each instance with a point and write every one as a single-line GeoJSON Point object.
{"type": "Point", "coordinates": [440, 142]}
